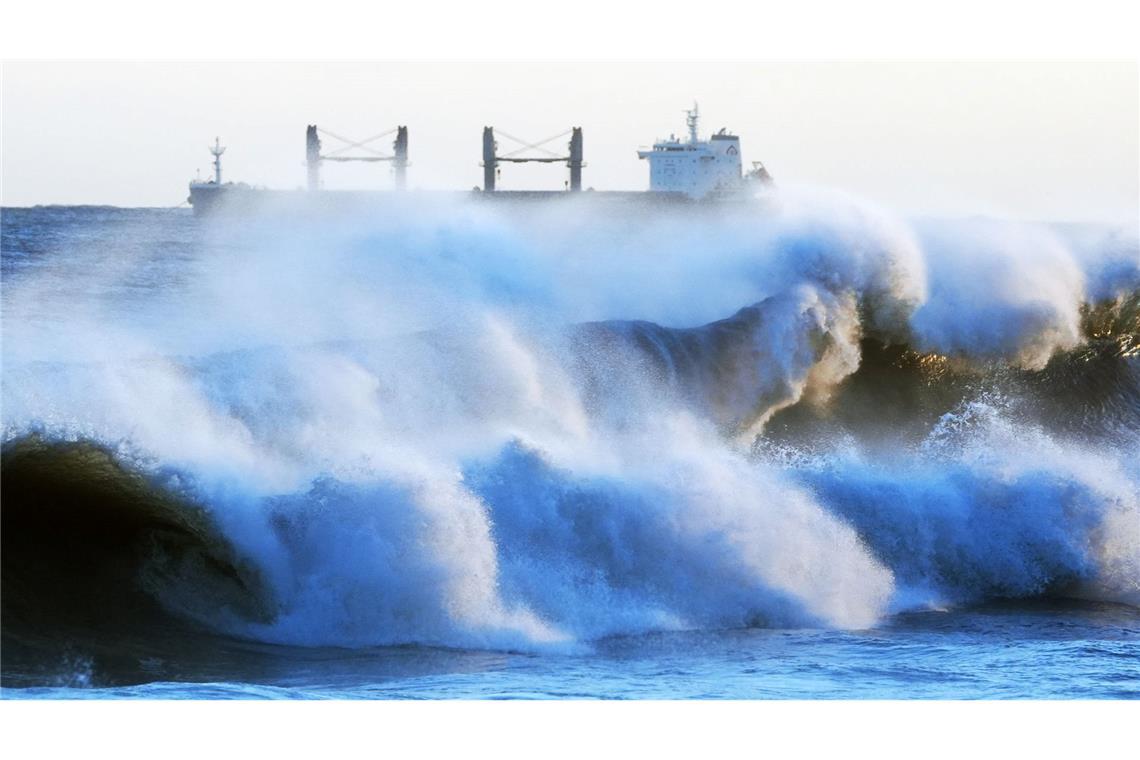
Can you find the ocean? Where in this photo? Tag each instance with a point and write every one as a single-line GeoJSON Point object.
{"type": "Point", "coordinates": [436, 450]}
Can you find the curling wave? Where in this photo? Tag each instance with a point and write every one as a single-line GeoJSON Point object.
{"type": "Point", "coordinates": [417, 439]}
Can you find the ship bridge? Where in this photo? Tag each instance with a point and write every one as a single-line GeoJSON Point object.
{"type": "Point", "coordinates": [695, 167]}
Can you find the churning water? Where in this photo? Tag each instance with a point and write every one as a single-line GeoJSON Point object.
{"type": "Point", "coordinates": [448, 449]}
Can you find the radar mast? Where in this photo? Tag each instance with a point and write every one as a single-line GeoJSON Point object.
{"type": "Point", "coordinates": [691, 118]}
{"type": "Point", "coordinates": [216, 151]}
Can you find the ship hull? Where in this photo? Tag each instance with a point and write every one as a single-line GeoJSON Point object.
{"type": "Point", "coordinates": [208, 199]}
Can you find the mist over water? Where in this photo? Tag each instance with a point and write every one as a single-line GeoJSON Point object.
{"type": "Point", "coordinates": [530, 428]}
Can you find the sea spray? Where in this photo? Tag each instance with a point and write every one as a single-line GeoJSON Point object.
{"type": "Point", "coordinates": [455, 426]}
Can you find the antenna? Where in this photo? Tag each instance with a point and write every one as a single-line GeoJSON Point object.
{"type": "Point", "coordinates": [216, 151]}
{"type": "Point", "coordinates": [691, 118]}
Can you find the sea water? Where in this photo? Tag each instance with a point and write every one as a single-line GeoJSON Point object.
{"type": "Point", "coordinates": [437, 449]}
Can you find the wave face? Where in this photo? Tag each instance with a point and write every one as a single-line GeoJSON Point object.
{"type": "Point", "coordinates": [470, 426]}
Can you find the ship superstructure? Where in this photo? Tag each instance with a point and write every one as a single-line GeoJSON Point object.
{"type": "Point", "coordinates": [698, 168]}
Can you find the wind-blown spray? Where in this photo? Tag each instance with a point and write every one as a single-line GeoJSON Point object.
{"type": "Point", "coordinates": [458, 426]}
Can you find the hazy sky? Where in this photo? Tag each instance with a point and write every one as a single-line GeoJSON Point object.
{"type": "Point", "coordinates": [1055, 141]}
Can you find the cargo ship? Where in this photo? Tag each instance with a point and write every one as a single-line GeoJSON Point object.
{"type": "Point", "coordinates": [681, 171]}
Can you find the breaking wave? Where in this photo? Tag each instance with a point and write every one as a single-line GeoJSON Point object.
{"type": "Point", "coordinates": [477, 427]}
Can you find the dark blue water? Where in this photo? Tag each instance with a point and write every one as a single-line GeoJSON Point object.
{"type": "Point", "coordinates": [456, 453]}
{"type": "Point", "coordinates": [1037, 651]}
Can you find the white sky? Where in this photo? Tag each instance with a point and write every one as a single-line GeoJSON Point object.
{"type": "Point", "coordinates": [1055, 141]}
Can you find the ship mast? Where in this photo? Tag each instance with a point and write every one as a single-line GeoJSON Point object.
{"type": "Point", "coordinates": [217, 150]}
{"type": "Point", "coordinates": [691, 118]}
